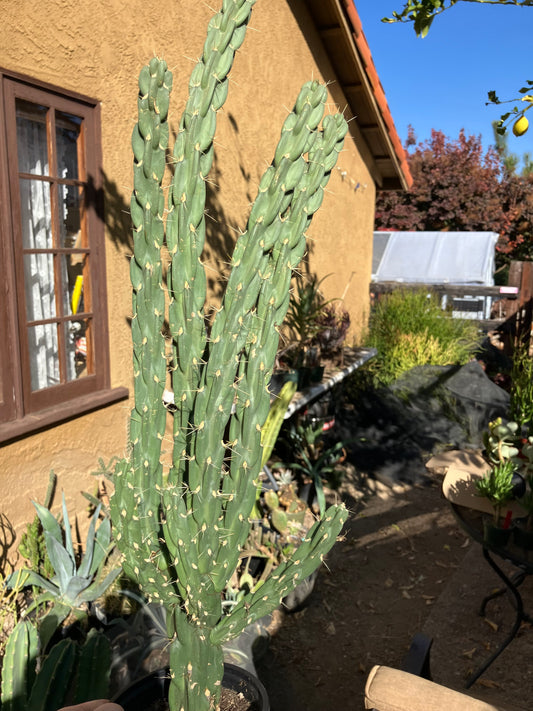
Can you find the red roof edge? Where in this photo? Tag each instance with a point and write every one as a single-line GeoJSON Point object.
{"type": "Point", "coordinates": [379, 94]}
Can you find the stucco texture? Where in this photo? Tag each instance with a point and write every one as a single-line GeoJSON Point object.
{"type": "Point", "coordinates": [97, 48]}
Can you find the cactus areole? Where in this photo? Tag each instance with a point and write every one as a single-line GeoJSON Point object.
{"type": "Point", "coordinates": [181, 528]}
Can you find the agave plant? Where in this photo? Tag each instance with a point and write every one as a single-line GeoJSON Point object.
{"type": "Point", "coordinates": [73, 584]}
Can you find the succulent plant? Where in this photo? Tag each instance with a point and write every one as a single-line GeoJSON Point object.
{"type": "Point", "coordinates": [69, 672]}
{"type": "Point", "coordinates": [72, 585]}
{"type": "Point", "coordinates": [181, 530]}
{"type": "Point", "coordinates": [497, 486]}
{"type": "Point", "coordinates": [502, 440]}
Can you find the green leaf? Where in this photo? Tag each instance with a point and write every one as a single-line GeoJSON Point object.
{"type": "Point", "coordinates": [63, 565]}
{"type": "Point", "coordinates": [422, 25]}
{"type": "Point", "coordinates": [86, 565]}
{"type": "Point", "coordinates": [75, 586]}
{"type": "Point", "coordinates": [68, 533]}
{"type": "Point", "coordinates": [49, 522]}
{"type": "Point", "coordinates": [51, 622]}
{"type": "Point", "coordinates": [102, 544]}
{"type": "Point", "coordinates": [24, 577]}
{"type": "Point", "coordinates": [96, 589]}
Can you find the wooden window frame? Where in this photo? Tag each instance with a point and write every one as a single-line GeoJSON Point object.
{"type": "Point", "coordinates": [23, 411]}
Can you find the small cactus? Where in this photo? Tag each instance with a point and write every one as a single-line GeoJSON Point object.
{"type": "Point", "coordinates": [181, 531]}
{"type": "Point", "coordinates": [68, 673]}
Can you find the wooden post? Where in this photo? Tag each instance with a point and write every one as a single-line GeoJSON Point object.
{"type": "Point", "coordinates": [521, 310]}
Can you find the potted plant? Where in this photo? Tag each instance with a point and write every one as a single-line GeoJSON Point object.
{"type": "Point", "coordinates": [312, 458]}
{"type": "Point", "coordinates": [332, 329]}
{"type": "Point", "coordinates": [497, 486]}
{"type": "Point", "coordinates": [302, 324]}
{"type": "Point", "coordinates": [181, 529]}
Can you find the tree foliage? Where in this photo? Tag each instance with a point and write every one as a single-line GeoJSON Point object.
{"type": "Point", "coordinates": [457, 187]}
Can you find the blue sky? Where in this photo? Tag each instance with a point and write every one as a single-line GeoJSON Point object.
{"type": "Point", "coordinates": [442, 81]}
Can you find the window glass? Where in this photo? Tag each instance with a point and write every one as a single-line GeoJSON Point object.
{"type": "Point", "coordinates": [36, 214]}
{"type": "Point", "coordinates": [31, 138]}
{"type": "Point", "coordinates": [67, 134]}
{"type": "Point", "coordinates": [44, 360]}
{"type": "Point", "coordinates": [77, 336]}
{"type": "Point", "coordinates": [73, 278]}
{"type": "Point", "coordinates": [39, 286]}
{"type": "Point", "coordinates": [70, 211]}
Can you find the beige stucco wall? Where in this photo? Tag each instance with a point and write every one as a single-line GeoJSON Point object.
{"type": "Point", "coordinates": [97, 47]}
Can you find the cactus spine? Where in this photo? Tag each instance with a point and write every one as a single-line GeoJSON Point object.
{"type": "Point", "coordinates": [181, 531]}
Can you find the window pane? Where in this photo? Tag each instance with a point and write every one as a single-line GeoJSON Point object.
{"type": "Point", "coordinates": [31, 138]}
{"type": "Point", "coordinates": [77, 338]}
{"type": "Point", "coordinates": [36, 214]}
{"type": "Point", "coordinates": [39, 286]}
{"type": "Point", "coordinates": [70, 198]}
{"type": "Point", "coordinates": [67, 134]}
{"type": "Point", "coordinates": [73, 283]}
{"type": "Point", "coordinates": [44, 360]}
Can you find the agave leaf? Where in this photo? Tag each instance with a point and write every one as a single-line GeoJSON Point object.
{"type": "Point", "coordinates": [24, 577]}
{"type": "Point", "coordinates": [63, 565]}
{"type": "Point", "coordinates": [102, 545]}
{"type": "Point", "coordinates": [49, 522]}
{"type": "Point", "coordinates": [68, 533]}
{"type": "Point", "coordinates": [52, 621]}
{"type": "Point", "coordinates": [86, 567]}
{"type": "Point", "coordinates": [96, 589]}
{"type": "Point", "coordinates": [75, 586]}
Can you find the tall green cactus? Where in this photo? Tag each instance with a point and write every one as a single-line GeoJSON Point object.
{"type": "Point", "coordinates": [181, 530]}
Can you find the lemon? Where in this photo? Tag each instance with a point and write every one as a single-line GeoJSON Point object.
{"type": "Point", "coordinates": [520, 126]}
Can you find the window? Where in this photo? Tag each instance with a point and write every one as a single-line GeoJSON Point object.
{"type": "Point", "coordinates": [53, 312]}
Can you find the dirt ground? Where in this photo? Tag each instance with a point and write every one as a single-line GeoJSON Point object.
{"type": "Point", "coordinates": [404, 566]}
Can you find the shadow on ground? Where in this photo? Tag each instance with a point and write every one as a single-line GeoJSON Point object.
{"type": "Point", "coordinates": [404, 565]}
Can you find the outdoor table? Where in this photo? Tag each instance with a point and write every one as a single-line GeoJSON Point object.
{"type": "Point", "coordinates": [472, 522]}
{"type": "Point", "coordinates": [470, 509]}
{"type": "Point", "coordinates": [353, 358]}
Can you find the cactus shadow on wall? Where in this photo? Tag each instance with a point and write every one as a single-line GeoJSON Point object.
{"type": "Point", "coordinates": [220, 231]}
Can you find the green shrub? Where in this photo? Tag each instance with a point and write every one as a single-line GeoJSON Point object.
{"type": "Point", "coordinates": [409, 328]}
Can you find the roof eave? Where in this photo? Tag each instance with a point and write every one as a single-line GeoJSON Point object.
{"type": "Point", "coordinates": [340, 29]}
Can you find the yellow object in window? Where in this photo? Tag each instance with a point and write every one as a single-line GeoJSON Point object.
{"type": "Point", "coordinates": [76, 294]}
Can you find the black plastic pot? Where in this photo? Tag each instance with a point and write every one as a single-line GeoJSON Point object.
{"type": "Point", "coordinates": [523, 537]}
{"type": "Point", "coordinates": [495, 536]}
{"type": "Point", "coordinates": [154, 687]}
{"type": "Point", "coordinates": [519, 485]}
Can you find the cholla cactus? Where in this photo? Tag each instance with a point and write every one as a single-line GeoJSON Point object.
{"type": "Point", "coordinates": [181, 530]}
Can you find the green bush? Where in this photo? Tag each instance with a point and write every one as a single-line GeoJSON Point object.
{"type": "Point", "coordinates": [409, 328]}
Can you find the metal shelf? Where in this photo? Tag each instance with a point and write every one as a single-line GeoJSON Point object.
{"type": "Point", "coordinates": [355, 357]}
